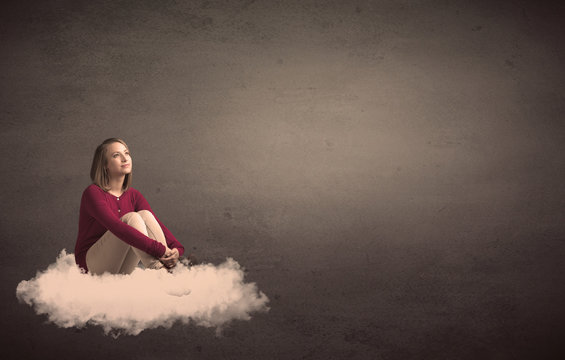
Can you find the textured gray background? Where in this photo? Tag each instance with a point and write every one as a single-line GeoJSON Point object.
{"type": "Point", "coordinates": [390, 173]}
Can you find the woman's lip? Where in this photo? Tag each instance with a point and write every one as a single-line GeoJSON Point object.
{"type": "Point", "coordinates": [125, 165]}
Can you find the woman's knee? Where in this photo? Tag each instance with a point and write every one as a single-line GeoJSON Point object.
{"type": "Point", "coordinates": [132, 218]}
{"type": "Point", "coordinates": [146, 215]}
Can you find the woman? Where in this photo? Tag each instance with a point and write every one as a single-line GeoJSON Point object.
{"type": "Point", "coordinates": [117, 227]}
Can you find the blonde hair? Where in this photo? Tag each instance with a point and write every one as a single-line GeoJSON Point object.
{"type": "Point", "coordinates": [98, 171]}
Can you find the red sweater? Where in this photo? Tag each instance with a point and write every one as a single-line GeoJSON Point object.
{"type": "Point", "coordinates": [101, 211]}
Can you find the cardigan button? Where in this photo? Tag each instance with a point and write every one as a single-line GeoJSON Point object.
{"type": "Point", "coordinates": [118, 198]}
{"type": "Point", "coordinates": [119, 210]}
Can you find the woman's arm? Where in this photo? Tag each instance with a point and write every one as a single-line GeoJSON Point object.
{"type": "Point", "coordinates": [98, 208]}
{"type": "Point", "coordinates": [142, 204]}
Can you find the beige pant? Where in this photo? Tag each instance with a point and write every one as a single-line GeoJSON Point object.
{"type": "Point", "coordinates": [110, 254]}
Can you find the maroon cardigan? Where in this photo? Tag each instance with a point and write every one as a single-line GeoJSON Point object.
{"type": "Point", "coordinates": [101, 211]}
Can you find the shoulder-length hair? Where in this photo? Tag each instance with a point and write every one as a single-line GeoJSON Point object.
{"type": "Point", "coordinates": [98, 171]}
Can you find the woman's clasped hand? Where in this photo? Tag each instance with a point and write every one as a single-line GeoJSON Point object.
{"type": "Point", "coordinates": [170, 258]}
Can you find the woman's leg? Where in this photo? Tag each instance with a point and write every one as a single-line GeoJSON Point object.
{"type": "Point", "coordinates": [154, 231]}
{"type": "Point", "coordinates": [110, 254]}
{"type": "Point", "coordinates": [106, 255]}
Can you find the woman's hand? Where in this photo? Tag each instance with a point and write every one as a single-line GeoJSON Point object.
{"type": "Point", "coordinates": [170, 258]}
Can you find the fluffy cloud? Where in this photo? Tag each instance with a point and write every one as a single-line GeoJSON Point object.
{"type": "Point", "coordinates": [205, 295]}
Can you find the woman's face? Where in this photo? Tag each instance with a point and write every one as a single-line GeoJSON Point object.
{"type": "Point", "coordinates": [118, 160]}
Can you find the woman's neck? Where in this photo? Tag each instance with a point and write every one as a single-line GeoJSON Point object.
{"type": "Point", "coordinates": [116, 184]}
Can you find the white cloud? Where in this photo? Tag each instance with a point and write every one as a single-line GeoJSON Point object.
{"type": "Point", "coordinates": [205, 295]}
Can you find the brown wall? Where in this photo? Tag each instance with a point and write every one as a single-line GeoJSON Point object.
{"type": "Point", "coordinates": [390, 173]}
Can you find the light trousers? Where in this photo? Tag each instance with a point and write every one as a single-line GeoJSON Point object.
{"type": "Point", "coordinates": [111, 254]}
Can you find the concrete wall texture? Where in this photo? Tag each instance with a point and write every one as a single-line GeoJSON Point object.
{"type": "Point", "coordinates": [390, 173]}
